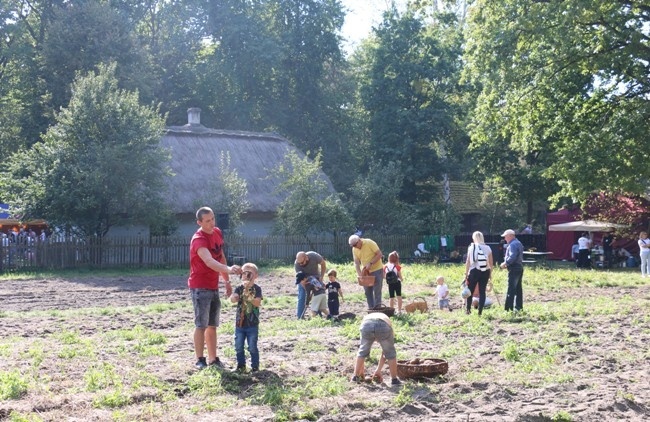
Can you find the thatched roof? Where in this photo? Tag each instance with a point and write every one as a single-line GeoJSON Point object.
{"type": "Point", "coordinates": [196, 152]}
{"type": "Point", "coordinates": [465, 197]}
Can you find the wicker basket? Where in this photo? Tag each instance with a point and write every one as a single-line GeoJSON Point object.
{"type": "Point", "coordinates": [387, 310]}
{"type": "Point", "coordinates": [366, 280]}
{"type": "Point", "coordinates": [418, 304]}
{"type": "Point", "coordinates": [421, 368]}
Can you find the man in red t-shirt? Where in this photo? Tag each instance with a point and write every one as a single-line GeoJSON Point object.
{"type": "Point", "coordinates": [206, 262]}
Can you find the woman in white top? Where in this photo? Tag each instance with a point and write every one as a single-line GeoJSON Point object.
{"type": "Point", "coordinates": [478, 269]}
{"type": "Point", "coordinates": [644, 252]}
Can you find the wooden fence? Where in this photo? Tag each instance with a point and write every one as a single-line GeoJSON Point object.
{"type": "Point", "coordinates": [173, 252]}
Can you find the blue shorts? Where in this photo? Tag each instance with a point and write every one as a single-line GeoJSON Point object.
{"type": "Point", "coordinates": [207, 307]}
{"type": "Point", "coordinates": [377, 330]}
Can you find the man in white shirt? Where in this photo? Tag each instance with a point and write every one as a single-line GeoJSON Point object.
{"type": "Point", "coordinates": [584, 246]}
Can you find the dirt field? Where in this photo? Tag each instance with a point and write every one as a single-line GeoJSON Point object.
{"type": "Point", "coordinates": [600, 373]}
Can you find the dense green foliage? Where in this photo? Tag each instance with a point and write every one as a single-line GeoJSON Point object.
{"type": "Point", "coordinates": [537, 101]}
{"type": "Point", "coordinates": [309, 207]}
{"type": "Point", "coordinates": [100, 165]}
{"type": "Point", "coordinates": [562, 94]}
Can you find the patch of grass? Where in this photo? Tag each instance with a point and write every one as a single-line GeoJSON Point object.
{"type": "Point", "coordinates": [114, 399]}
{"type": "Point", "coordinates": [206, 383]}
{"type": "Point", "coordinates": [308, 345]}
{"type": "Point", "coordinates": [68, 337]}
{"type": "Point", "coordinates": [327, 386]}
{"type": "Point", "coordinates": [12, 385]}
{"type": "Point", "coordinates": [510, 352]}
{"type": "Point", "coordinates": [277, 302]}
{"type": "Point", "coordinates": [94, 272]}
{"type": "Point", "coordinates": [308, 414]}
{"type": "Point", "coordinates": [147, 342]}
{"type": "Point", "coordinates": [36, 353]}
{"type": "Point", "coordinates": [350, 329]}
{"type": "Point", "coordinates": [273, 394]}
{"type": "Point", "coordinates": [562, 416]}
{"type": "Point", "coordinates": [15, 416]}
{"type": "Point", "coordinates": [626, 396]}
{"type": "Point", "coordinates": [91, 312]}
{"type": "Point", "coordinates": [6, 348]}
{"type": "Point", "coordinates": [405, 396]}
{"type": "Point", "coordinates": [100, 377]}
{"type": "Point", "coordinates": [455, 349]}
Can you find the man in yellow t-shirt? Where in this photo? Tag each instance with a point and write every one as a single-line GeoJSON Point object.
{"type": "Point", "coordinates": [367, 261]}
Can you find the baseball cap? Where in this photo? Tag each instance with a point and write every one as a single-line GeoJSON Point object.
{"type": "Point", "coordinates": [300, 276]}
{"type": "Point", "coordinates": [353, 240]}
{"type": "Point", "coordinates": [508, 232]}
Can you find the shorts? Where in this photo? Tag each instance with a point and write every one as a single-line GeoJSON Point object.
{"type": "Point", "coordinates": [395, 289]}
{"type": "Point", "coordinates": [318, 303]}
{"type": "Point", "coordinates": [443, 303]}
{"type": "Point", "coordinates": [377, 330]}
{"type": "Point", "coordinates": [207, 307]}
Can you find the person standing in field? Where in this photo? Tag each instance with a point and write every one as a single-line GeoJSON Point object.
{"type": "Point", "coordinates": [207, 262]}
{"type": "Point", "coordinates": [313, 265]}
{"type": "Point", "coordinates": [393, 276]}
{"type": "Point", "coordinates": [334, 292]}
{"type": "Point", "coordinates": [514, 262]}
{"type": "Point", "coordinates": [442, 290]}
{"type": "Point", "coordinates": [367, 261]}
{"type": "Point", "coordinates": [248, 297]}
{"type": "Point", "coordinates": [644, 253]}
{"type": "Point", "coordinates": [584, 247]}
{"type": "Point", "coordinates": [478, 269]}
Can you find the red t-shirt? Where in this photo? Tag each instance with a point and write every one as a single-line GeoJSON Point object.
{"type": "Point", "coordinates": [202, 276]}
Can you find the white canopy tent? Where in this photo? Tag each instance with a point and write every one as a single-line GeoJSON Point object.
{"type": "Point", "coordinates": [585, 226]}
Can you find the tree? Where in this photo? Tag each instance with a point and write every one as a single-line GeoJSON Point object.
{"type": "Point", "coordinates": [629, 210]}
{"type": "Point", "coordinates": [409, 90]}
{"type": "Point", "coordinates": [83, 34]}
{"type": "Point", "coordinates": [24, 114]}
{"type": "Point", "coordinates": [276, 65]}
{"type": "Point", "coordinates": [310, 206]}
{"type": "Point", "coordinates": [564, 83]}
{"type": "Point", "coordinates": [375, 202]}
{"type": "Point", "coordinates": [228, 192]}
{"type": "Point", "coordinates": [100, 165]}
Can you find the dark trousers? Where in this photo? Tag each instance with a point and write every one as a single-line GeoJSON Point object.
{"type": "Point", "coordinates": [583, 258]}
{"type": "Point", "coordinates": [333, 306]}
{"type": "Point", "coordinates": [515, 293]}
{"type": "Point", "coordinates": [609, 259]}
{"type": "Point", "coordinates": [481, 278]}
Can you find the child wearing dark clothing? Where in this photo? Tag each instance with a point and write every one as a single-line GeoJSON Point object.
{"type": "Point", "coordinates": [333, 292]}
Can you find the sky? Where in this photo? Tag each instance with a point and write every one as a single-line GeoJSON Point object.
{"type": "Point", "coordinates": [362, 15]}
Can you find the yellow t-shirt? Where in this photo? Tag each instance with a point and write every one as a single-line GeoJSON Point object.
{"type": "Point", "coordinates": [367, 252]}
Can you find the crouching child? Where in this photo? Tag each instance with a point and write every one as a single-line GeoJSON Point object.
{"type": "Point", "coordinates": [316, 290]}
{"type": "Point", "coordinates": [377, 327]}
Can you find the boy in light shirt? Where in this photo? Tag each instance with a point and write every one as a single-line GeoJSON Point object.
{"type": "Point", "coordinates": [443, 293]}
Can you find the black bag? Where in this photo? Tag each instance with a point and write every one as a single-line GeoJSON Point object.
{"type": "Point", "coordinates": [391, 276]}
